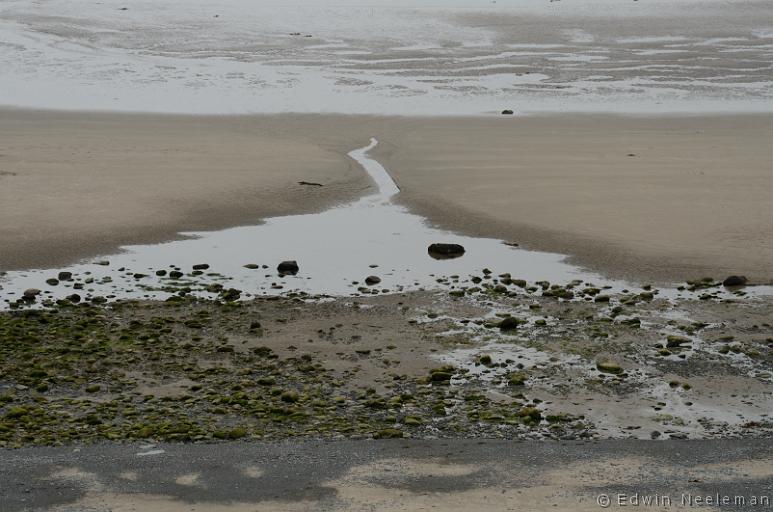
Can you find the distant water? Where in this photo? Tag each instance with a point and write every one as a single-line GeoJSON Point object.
{"type": "Point", "coordinates": [388, 57]}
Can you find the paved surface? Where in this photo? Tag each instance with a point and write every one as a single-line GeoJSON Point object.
{"type": "Point", "coordinates": [382, 475]}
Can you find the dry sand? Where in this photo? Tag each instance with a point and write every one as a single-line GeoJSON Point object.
{"type": "Point", "coordinates": [693, 199]}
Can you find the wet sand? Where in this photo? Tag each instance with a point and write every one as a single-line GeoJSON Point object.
{"type": "Point", "coordinates": [693, 199]}
{"type": "Point", "coordinates": [78, 185]}
{"type": "Point", "coordinates": [663, 198]}
{"type": "Point", "coordinates": [380, 476]}
{"type": "Point", "coordinates": [383, 476]}
{"type": "Point", "coordinates": [421, 57]}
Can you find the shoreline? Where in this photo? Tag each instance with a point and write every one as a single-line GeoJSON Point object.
{"type": "Point", "coordinates": [435, 161]}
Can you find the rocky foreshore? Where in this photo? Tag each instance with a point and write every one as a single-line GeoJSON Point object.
{"type": "Point", "coordinates": [496, 358]}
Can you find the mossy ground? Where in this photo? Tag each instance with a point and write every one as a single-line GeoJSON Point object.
{"type": "Point", "coordinates": [404, 365]}
{"type": "Point", "coordinates": [172, 371]}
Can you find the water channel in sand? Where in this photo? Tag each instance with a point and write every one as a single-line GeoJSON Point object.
{"type": "Point", "coordinates": [335, 250]}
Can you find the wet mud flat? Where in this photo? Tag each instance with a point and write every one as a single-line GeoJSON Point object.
{"type": "Point", "coordinates": [502, 361]}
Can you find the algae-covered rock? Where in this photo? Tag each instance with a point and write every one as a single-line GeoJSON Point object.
{"type": "Point", "coordinates": [412, 421]}
{"type": "Point", "coordinates": [530, 414]}
{"type": "Point", "coordinates": [388, 433]}
{"type": "Point", "coordinates": [442, 374]}
{"type": "Point", "coordinates": [673, 341]}
{"type": "Point", "coordinates": [608, 366]}
{"type": "Point", "coordinates": [289, 396]}
{"type": "Point", "coordinates": [508, 323]}
{"type": "Point", "coordinates": [516, 379]}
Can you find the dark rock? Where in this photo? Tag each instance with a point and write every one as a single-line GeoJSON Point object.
{"type": "Point", "coordinates": [288, 267]}
{"type": "Point", "coordinates": [74, 298]}
{"type": "Point", "coordinates": [200, 266]}
{"type": "Point", "coordinates": [31, 293]}
{"type": "Point", "coordinates": [445, 251]}
{"type": "Point", "coordinates": [65, 276]}
{"type": "Point", "coordinates": [508, 323]}
{"type": "Point", "coordinates": [231, 295]}
{"type": "Point", "coordinates": [372, 280]}
{"type": "Point", "coordinates": [175, 274]}
{"type": "Point", "coordinates": [440, 376]}
{"type": "Point", "coordinates": [310, 183]}
{"type": "Point", "coordinates": [735, 281]}
{"type": "Point", "coordinates": [52, 282]}
{"type": "Point", "coordinates": [160, 273]}
{"type": "Point", "coordinates": [507, 112]}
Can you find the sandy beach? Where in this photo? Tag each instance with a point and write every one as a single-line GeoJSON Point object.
{"type": "Point", "coordinates": [385, 254]}
{"type": "Point", "coordinates": [654, 198]}
{"type": "Point", "coordinates": [78, 185]}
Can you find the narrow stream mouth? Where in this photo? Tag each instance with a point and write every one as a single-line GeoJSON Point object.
{"type": "Point", "coordinates": [386, 185]}
{"type": "Point", "coordinates": [366, 247]}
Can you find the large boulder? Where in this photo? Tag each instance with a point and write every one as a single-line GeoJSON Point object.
{"type": "Point", "coordinates": [288, 267]}
{"type": "Point", "coordinates": [445, 251]}
{"type": "Point", "coordinates": [372, 280]}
